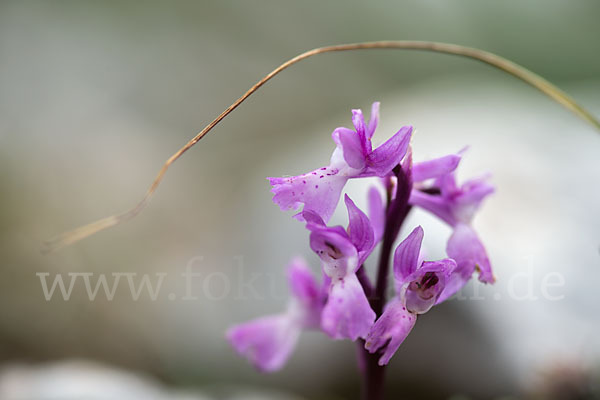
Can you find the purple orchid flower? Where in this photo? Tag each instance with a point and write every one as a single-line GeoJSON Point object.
{"type": "Point", "coordinates": [319, 191]}
{"type": "Point", "coordinates": [347, 313]}
{"type": "Point", "coordinates": [268, 342]}
{"type": "Point", "coordinates": [419, 285]}
{"type": "Point", "coordinates": [419, 172]}
{"type": "Point", "coordinates": [456, 205]}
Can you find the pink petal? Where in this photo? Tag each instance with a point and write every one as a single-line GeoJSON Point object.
{"type": "Point", "coordinates": [352, 147]}
{"type": "Point", "coordinates": [266, 342]}
{"type": "Point", "coordinates": [390, 329]}
{"type": "Point", "coordinates": [435, 204]}
{"type": "Point", "coordinates": [338, 255]}
{"type": "Point", "coordinates": [385, 157]}
{"type": "Point", "coordinates": [467, 250]}
{"type": "Point", "coordinates": [424, 286]}
{"type": "Point", "coordinates": [347, 313]}
{"type": "Point", "coordinates": [435, 168]}
{"type": "Point", "coordinates": [454, 283]}
{"type": "Point", "coordinates": [358, 120]}
{"type": "Point", "coordinates": [472, 194]}
{"type": "Point", "coordinates": [376, 213]}
{"type": "Point", "coordinates": [373, 121]}
{"type": "Point", "coordinates": [302, 282]}
{"type": "Point", "coordinates": [359, 230]}
{"type": "Point", "coordinates": [406, 256]}
{"type": "Point", "coordinates": [318, 191]}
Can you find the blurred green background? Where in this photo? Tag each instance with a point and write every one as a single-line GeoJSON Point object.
{"type": "Point", "coordinates": [95, 96]}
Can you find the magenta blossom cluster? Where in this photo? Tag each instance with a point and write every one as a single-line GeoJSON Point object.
{"type": "Point", "coordinates": [344, 304]}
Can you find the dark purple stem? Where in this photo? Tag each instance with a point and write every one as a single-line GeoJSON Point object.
{"type": "Point", "coordinates": [397, 211]}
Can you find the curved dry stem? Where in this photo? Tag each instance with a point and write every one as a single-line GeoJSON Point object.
{"type": "Point", "coordinates": [491, 59]}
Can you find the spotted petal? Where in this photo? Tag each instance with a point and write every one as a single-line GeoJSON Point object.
{"type": "Point", "coordinates": [318, 191]}
{"type": "Point", "coordinates": [390, 330]}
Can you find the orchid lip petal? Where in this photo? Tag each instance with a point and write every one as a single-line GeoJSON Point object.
{"type": "Point", "coordinates": [347, 314]}
{"type": "Point", "coordinates": [465, 247]}
{"type": "Point", "coordinates": [390, 330]}
{"type": "Point", "coordinates": [266, 342]}
{"type": "Point", "coordinates": [319, 191]}
{"type": "Point", "coordinates": [303, 285]}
